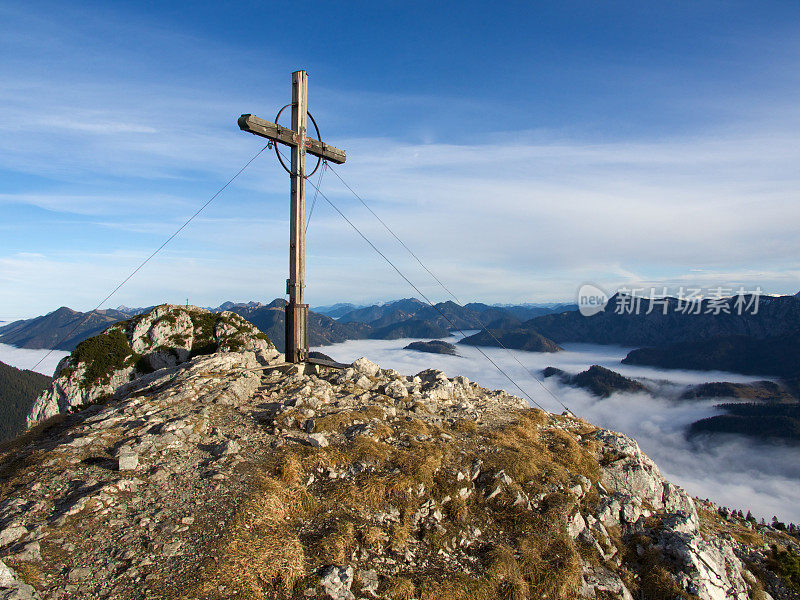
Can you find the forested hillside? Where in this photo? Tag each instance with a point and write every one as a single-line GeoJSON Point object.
{"type": "Point", "coordinates": [18, 390]}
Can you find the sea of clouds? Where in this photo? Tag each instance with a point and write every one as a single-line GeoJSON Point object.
{"type": "Point", "coordinates": [730, 470]}
{"type": "Point", "coordinates": [25, 358]}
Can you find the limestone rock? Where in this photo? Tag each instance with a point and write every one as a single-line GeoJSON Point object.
{"type": "Point", "coordinates": [12, 588]}
{"type": "Point", "coordinates": [364, 366]}
{"type": "Point", "coordinates": [6, 576]}
{"type": "Point", "coordinates": [165, 337]}
{"type": "Point", "coordinates": [630, 471]}
{"type": "Point", "coordinates": [576, 525]}
{"type": "Point", "coordinates": [79, 574]}
{"type": "Point", "coordinates": [369, 581]}
{"type": "Point", "coordinates": [600, 579]}
{"type": "Point", "coordinates": [709, 568]}
{"type": "Point", "coordinates": [318, 440]}
{"type": "Point", "coordinates": [128, 459]}
{"type": "Point", "coordinates": [336, 581]}
{"type": "Point", "coordinates": [395, 389]}
{"type": "Point", "coordinates": [11, 534]}
{"type": "Point", "coordinates": [208, 462]}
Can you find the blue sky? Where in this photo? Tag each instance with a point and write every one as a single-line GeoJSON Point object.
{"type": "Point", "coordinates": [521, 150]}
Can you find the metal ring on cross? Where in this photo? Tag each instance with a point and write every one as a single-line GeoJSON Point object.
{"type": "Point", "coordinates": [278, 154]}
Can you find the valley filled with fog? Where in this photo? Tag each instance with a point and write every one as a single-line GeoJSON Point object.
{"type": "Point", "coordinates": [730, 470]}
{"type": "Point", "coordinates": [26, 358]}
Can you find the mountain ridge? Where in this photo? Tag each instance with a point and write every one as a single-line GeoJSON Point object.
{"type": "Point", "coordinates": [231, 474]}
{"type": "Point", "coordinates": [402, 318]}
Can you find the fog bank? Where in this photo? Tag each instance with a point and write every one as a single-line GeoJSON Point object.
{"type": "Point", "coordinates": [25, 358]}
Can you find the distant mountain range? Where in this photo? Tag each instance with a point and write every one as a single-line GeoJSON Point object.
{"type": "Point", "coordinates": [778, 356]}
{"type": "Point", "coordinates": [711, 336]}
{"type": "Point", "coordinates": [668, 323]}
{"type": "Point", "coordinates": [334, 311]}
{"type": "Point", "coordinates": [766, 422]}
{"type": "Point", "coordinates": [64, 328]}
{"type": "Point", "coordinates": [474, 315]}
{"type": "Point", "coordinates": [518, 338]}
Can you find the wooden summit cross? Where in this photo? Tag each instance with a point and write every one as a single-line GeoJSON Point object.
{"type": "Point", "coordinates": [300, 143]}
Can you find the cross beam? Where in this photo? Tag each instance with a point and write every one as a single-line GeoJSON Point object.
{"type": "Point", "coordinates": [300, 144]}
{"type": "Point", "coordinates": [276, 133]}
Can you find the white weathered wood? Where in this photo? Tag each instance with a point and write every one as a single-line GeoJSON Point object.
{"type": "Point", "coordinates": [297, 309]}
{"type": "Point", "coordinates": [272, 131]}
{"type": "Point", "coordinates": [296, 138]}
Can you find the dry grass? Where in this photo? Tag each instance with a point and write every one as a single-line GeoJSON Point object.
{"type": "Point", "coordinates": [370, 450]}
{"type": "Point", "coordinates": [465, 426]}
{"type": "Point", "coordinates": [530, 456]}
{"type": "Point", "coordinates": [569, 452]}
{"type": "Point", "coordinates": [401, 531]}
{"type": "Point", "coordinates": [398, 588]}
{"type": "Point", "coordinates": [756, 588]}
{"type": "Point", "coordinates": [547, 550]}
{"type": "Point", "coordinates": [749, 538]}
{"type": "Point", "coordinates": [373, 538]}
{"type": "Point", "coordinates": [281, 534]}
{"type": "Point", "coordinates": [291, 471]}
{"type": "Point", "coordinates": [342, 420]}
{"type": "Point", "coordinates": [19, 454]}
{"type": "Point", "coordinates": [27, 572]}
{"type": "Point", "coordinates": [458, 510]}
{"type": "Point", "coordinates": [504, 571]}
{"type": "Point", "coordinates": [457, 588]}
{"type": "Point", "coordinates": [518, 451]}
{"type": "Point", "coordinates": [337, 546]}
{"type": "Point", "coordinates": [420, 462]}
{"type": "Point", "coordinates": [711, 521]}
{"type": "Point", "coordinates": [262, 554]}
{"type": "Point", "coordinates": [655, 581]}
{"type": "Point", "coordinates": [411, 426]}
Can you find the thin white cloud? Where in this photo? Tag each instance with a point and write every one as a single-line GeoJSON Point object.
{"type": "Point", "coordinates": [510, 215]}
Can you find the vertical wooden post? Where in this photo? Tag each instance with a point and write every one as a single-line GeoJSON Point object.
{"type": "Point", "coordinates": [297, 310]}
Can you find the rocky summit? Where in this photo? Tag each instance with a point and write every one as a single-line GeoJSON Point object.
{"type": "Point", "coordinates": [178, 456]}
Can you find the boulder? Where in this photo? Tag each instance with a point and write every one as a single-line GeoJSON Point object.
{"type": "Point", "coordinates": [337, 581]}
{"type": "Point", "coordinates": [576, 525]}
{"type": "Point", "coordinates": [396, 390]}
{"type": "Point", "coordinates": [12, 588]}
{"type": "Point", "coordinates": [708, 567]}
{"type": "Point", "coordinates": [318, 440]}
{"type": "Point", "coordinates": [128, 460]}
{"type": "Point", "coordinates": [364, 366]}
{"type": "Point", "coordinates": [628, 470]}
{"type": "Point", "coordinates": [165, 337]}
{"type": "Point", "coordinates": [608, 583]}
